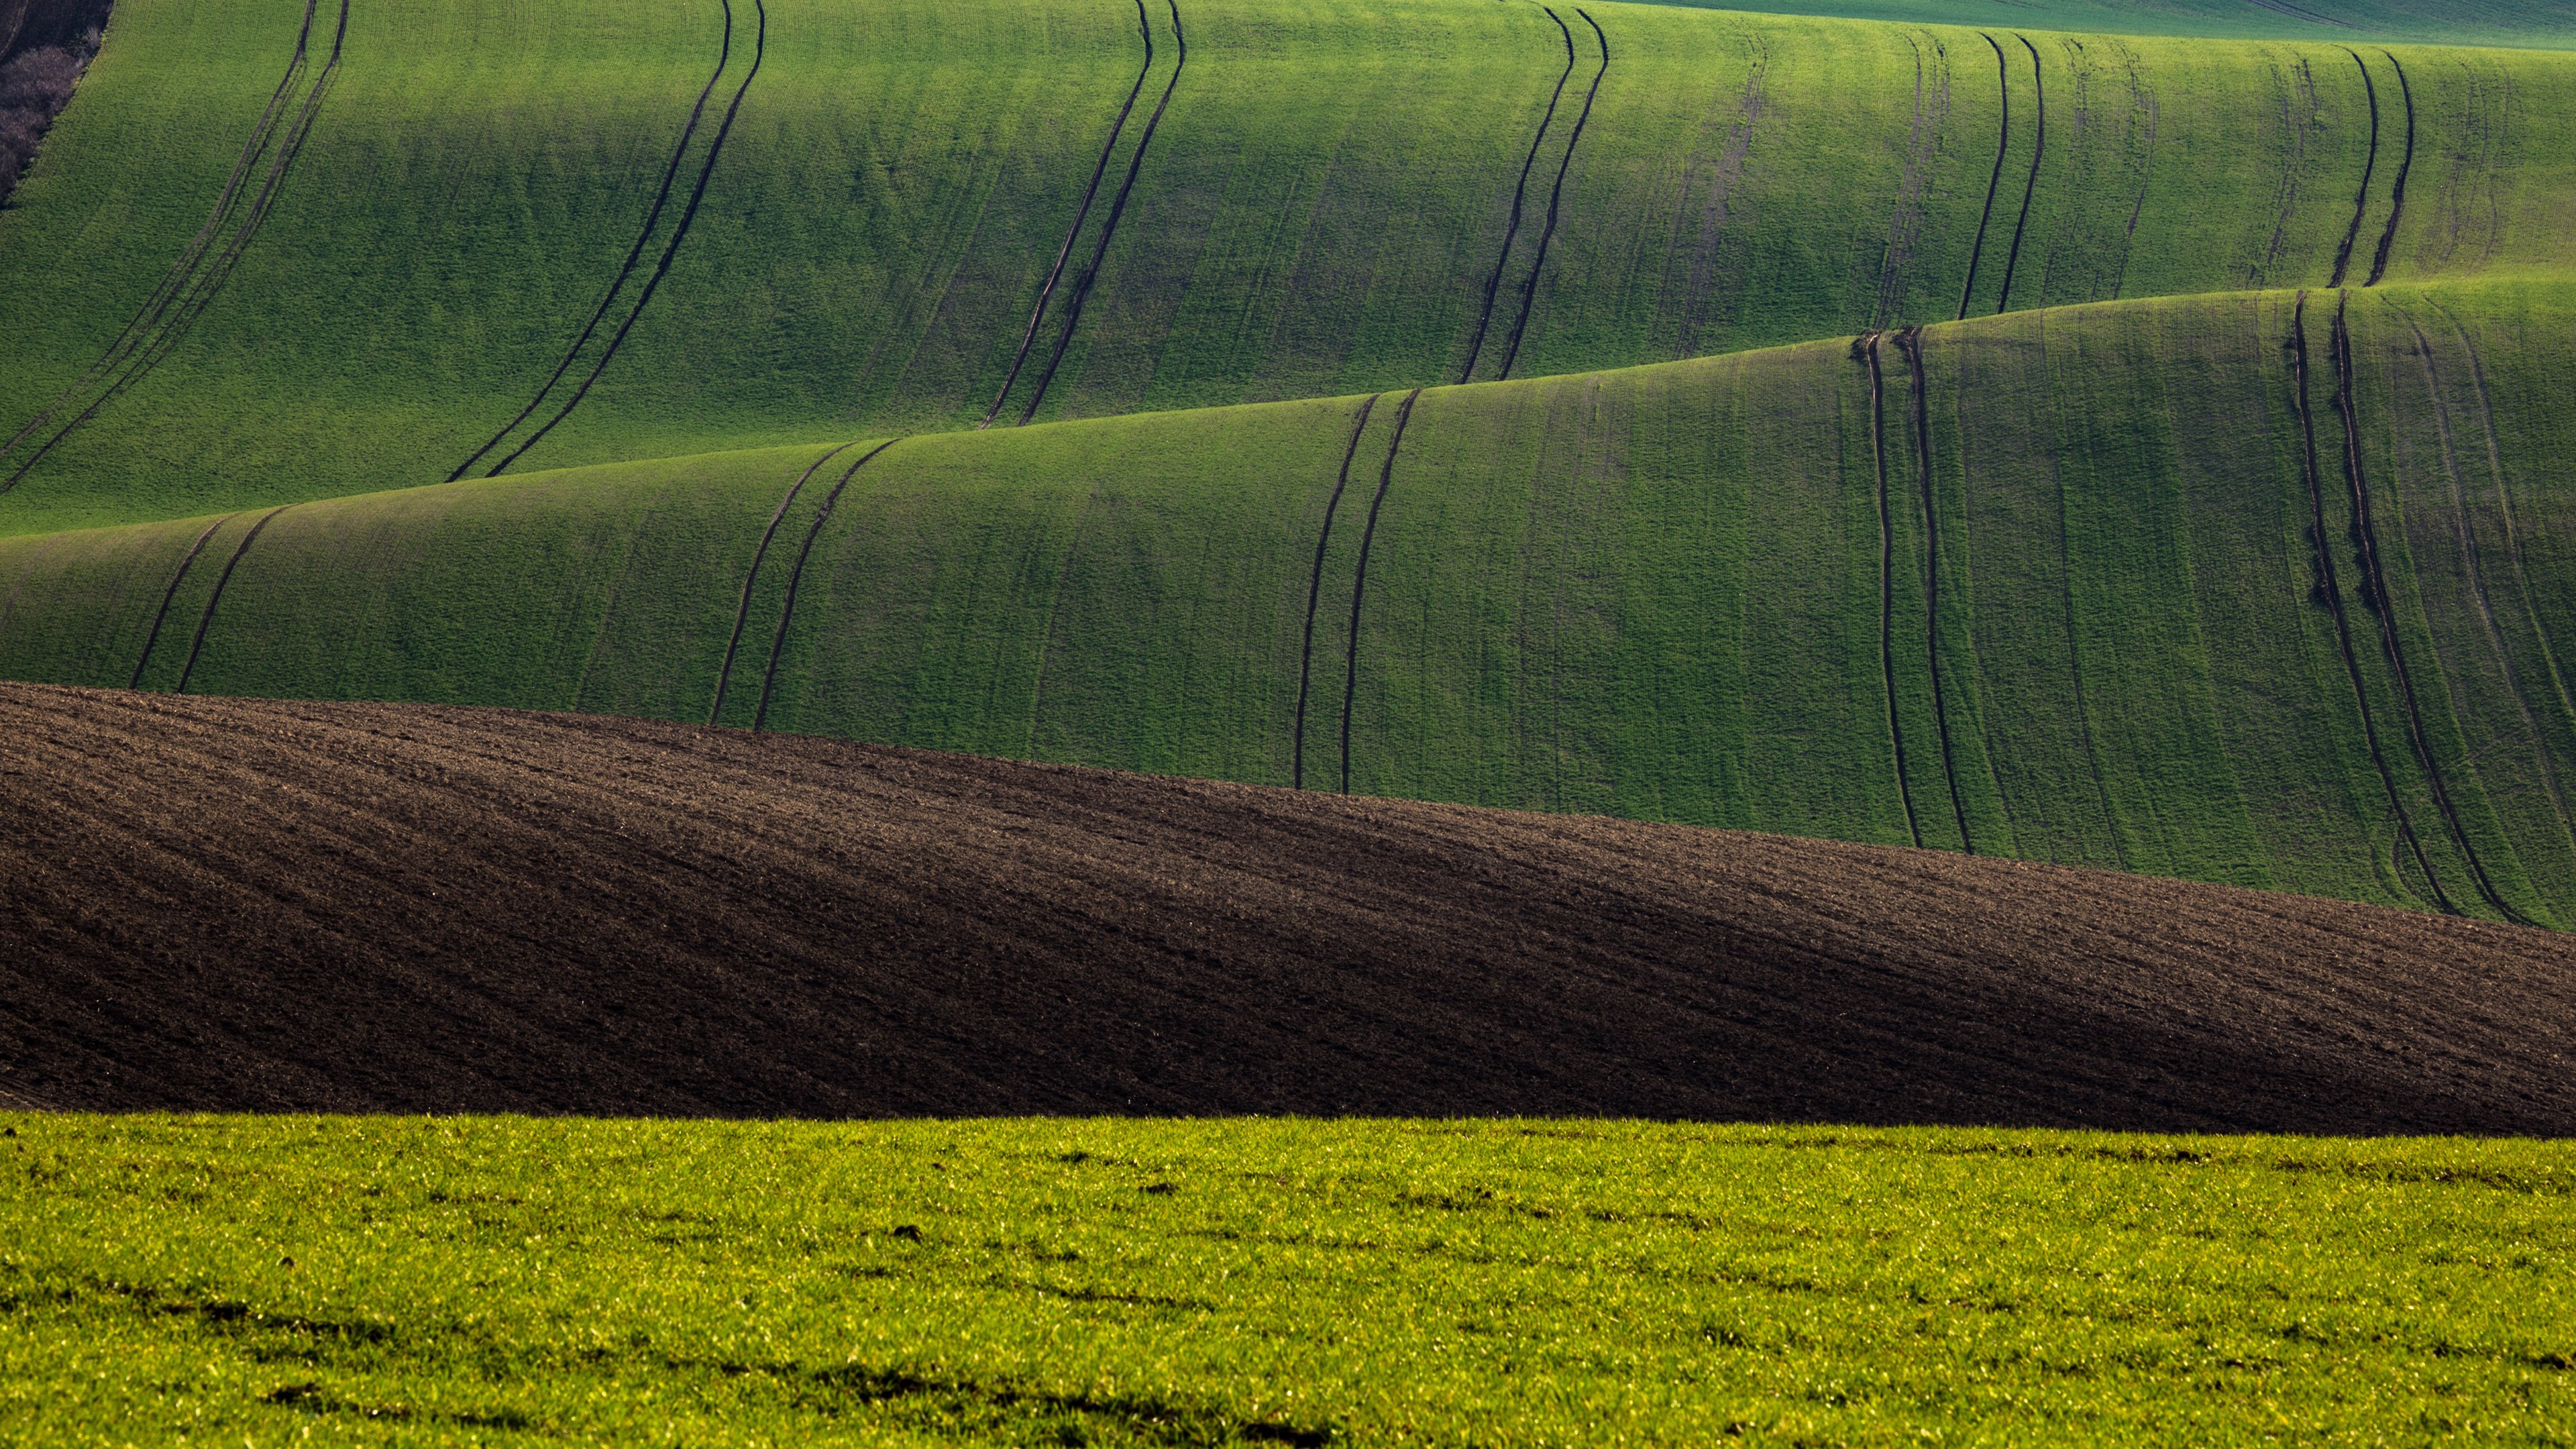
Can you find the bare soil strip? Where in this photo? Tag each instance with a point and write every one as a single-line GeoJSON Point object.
{"type": "Point", "coordinates": [796, 580]}
{"type": "Point", "coordinates": [1865, 350]}
{"type": "Point", "coordinates": [206, 620]}
{"type": "Point", "coordinates": [292, 906]}
{"type": "Point", "coordinates": [679, 234]}
{"type": "Point", "coordinates": [1109, 229]}
{"type": "Point", "coordinates": [1555, 197]}
{"type": "Point", "coordinates": [751, 576]}
{"type": "Point", "coordinates": [1910, 342]}
{"type": "Point", "coordinates": [1994, 183]}
{"type": "Point", "coordinates": [2369, 167]}
{"type": "Point", "coordinates": [1090, 193]}
{"type": "Point", "coordinates": [2383, 606]}
{"type": "Point", "coordinates": [2322, 539]}
{"type": "Point", "coordinates": [2405, 163]}
{"type": "Point", "coordinates": [2030, 188]}
{"type": "Point", "coordinates": [626, 269]}
{"type": "Point", "coordinates": [1359, 579]}
{"type": "Point", "coordinates": [177, 577]}
{"type": "Point", "coordinates": [1520, 193]}
{"type": "Point", "coordinates": [1315, 588]}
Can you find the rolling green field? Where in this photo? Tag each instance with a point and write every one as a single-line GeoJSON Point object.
{"type": "Point", "coordinates": [504, 1281]}
{"type": "Point", "coordinates": [2433, 22]}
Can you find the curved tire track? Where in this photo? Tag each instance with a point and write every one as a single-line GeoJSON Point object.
{"type": "Point", "coordinates": [1865, 351]}
{"type": "Point", "coordinates": [1315, 589]}
{"type": "Point", "coordinates": [1520, 193]}
{"type": "Point", "coordinates": [1910, 342]}
{"type": "Point", "coordinates": [1359, 581]}
{"type": "Point", "coordinates": [2369, 168]}
{"type": "Point", "coordinates": [742, 612]}
{"type": "Point", "coordinates": [796, 580]}
{"type": "Point", "coordinates": [2030, 188]}
{"type": "Point", "coordinates": [2406, 163]}
{"type": "Point", "coordinates": [214, 600]}
{"type": "Point", "coordinates": [167, 595]}
{"type": "Point", "coordinates": [1555, 196]}
{"type": "Point", "coordinates": [1994, 183]}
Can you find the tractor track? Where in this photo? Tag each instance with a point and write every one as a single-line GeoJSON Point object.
{"type": "Point", "coordinates": [206, 620]}
{"type": "Point", "coordinates": [1520, 194]}
{"type": "Point", "coordinates": [742, 612]}
{"type": "Point", "coordinates": [1315, 589]}
{"type": "Point", "coordinates": [1359, 580]}
{"type": "Point", "coordinates": [1910, 342]}
{"type": "Point", "coordinates": [796, 581]}
{"type": "Point", "coordinates": [634, 256]}
{"type": "Point", "coordinates": [2322, 539]}
{"type": "Point", "coordinates": [2030, 188]}
{"type": "Point", "coordinates": [1865, 350]}
{"type": "Point", "coordinates": [2383, 604]}
{"type": "Point", "coordinates": [1091, 193]}
{"type": "Point", "coordinates": [1994, 183]}
{"type": "Point", "coordinates": [2369, 168]}
{"type": "Point", "coordinates": [167, 595]}
{"type": "Point", "coordinates": [1555, 195]}
{"type": "Point", "coordinates": [679, 234]}
{"type": "Point", "coordinates": [1109, 229]}
{"type": "Point", "coordinates": [2405, 163]}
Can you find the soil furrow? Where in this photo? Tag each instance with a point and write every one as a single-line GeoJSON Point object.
{"type": "Point", "coordinates": [2327, 584]}
{"type": "Point", "coordinates": [1109, 229]}
{"type": "Point", "coordinates": [2405, 163]}
{"type": "Point", "coordinates": [1865, 350]}
{"type": "Point", "coordinates": [2369, 167]}
{"type": "Point", "coordinates": [1090, 193]}
{"type": "Point", "coordinates": [1994, 183]}
{"type": "Point", "coordinates": [634, 255]}
{"type": "Point", "coordinates": [206, 620]}
{"type": "Point", "coordinates": [1555, 196]}
{"type": "Point", "coordinates": [1315, 589]}
{"type": "Point", "coordinates": [2030, 188]}
{"type": "Point", "coordinates": [2384, 605]}
{"type": "Point", "coordinates": [751, 577]}
{"type": "Point", "coordinates": [1520, 192]}
{"type": "Point", "coordinates": [679, 234]}
{"type": "Point", "coordinates": [1359, 580]}
{"type": "Point", "coordinates": [1910, 342]}
{"type": "Point", "coordinates": [178, 577]}
{"type": "Point", "coordinates": [796, 580]}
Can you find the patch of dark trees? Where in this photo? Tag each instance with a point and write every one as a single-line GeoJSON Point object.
{"type": "Point", "coordinates": [44, 47]}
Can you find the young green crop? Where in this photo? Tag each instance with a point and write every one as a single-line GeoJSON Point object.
{"type": "Point", "coordinates": [503, 1281]}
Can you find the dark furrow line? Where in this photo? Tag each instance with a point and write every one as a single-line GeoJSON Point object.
{"type": "Point", "coordinates": [1109, 229]}
{"type": "Point", "coordinates": [1359, 581]}
{"type": "Point", "coordinates": [1529, 288]}
{"type": "Point", "coordinates": [2326, 582]}
{"type": "Point", "coordinates": [2039, 148]}
{"type": "Point", "coordinates": [2384, 605]}
{"type": "Point", "coordinates": [679, 234]}
{"type": "Point", "coordinates": [1994, 183]}
{"type": "Point", "coordinates": [2369, 166]}
{"type": "Point", "coordinates": [742, 612]}
{"type": "Point", "coordinates": [1865, 350]}
{"type": "Point", "coordinates": [2406, 163]}
{"type": "Point", "coordinates": [1315, 588]}
{"type": "Point", "coordinates": [174, 281]}
{"type": "Point", "coordinates": [1520, 192]}
{"type": "Point", "coordinates": [796, 581]}
{"type": "Point", "coordinates": [634, 256]}
{"type": "Point", "coordinates": [1090, 193]}
{"type": "Point", "coordinates": [170, 593]}
{"type": "Point", "coordinates": [206, 620]}
{"type": "Point", "coordinates": [1910, 342]}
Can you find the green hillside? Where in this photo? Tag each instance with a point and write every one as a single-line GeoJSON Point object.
{"type": "Point", "coordinates": [2433, 22]}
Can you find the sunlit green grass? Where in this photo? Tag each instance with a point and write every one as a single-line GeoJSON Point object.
{"type": "Point", "coordinates": [507, 1281]}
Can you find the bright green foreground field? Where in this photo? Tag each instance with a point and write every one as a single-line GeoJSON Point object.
{"type": "Point", "coordinates": [230, 1279]}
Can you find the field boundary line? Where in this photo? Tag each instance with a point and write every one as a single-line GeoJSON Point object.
{"type": "Point", "coordinates": [2322, 538]}
{"type": "Point", "coordinates": [2384, 604]}
{"type": "Point", "coordinates": [2405, 164]}
{"type": "Point", "coordinates": [2369, 168]}
{"type": "Point", "coordinates": [1359, 580]}
{"type": "Point", "coordinates": [2030, 188]}
{"type": "Point", "coordinates": [1994, 183]}
{"type": "Point", "coordinates": [742, 614]}
{"type": "Point", "coordinates": [167, 595]}
{"type": "Point", "coordinates": [796, 580]}
{"type": "Point", "coordinates": [1910, 342]}
{"type": "Point", "coordinates": [1520, 193]}
{"type": "Point", "coordinates": [1315, 589]}
{"type": "Point", "coordinates": [206, 620]}
{"type": "Point", "coordinates": [1864, 350]}
{"type": "Point", "coordinates": [1091, 193]}
{"type": "Point", "coordinates": [1529, 288]}
{"type": "Point", "coordinates": [679, 234]}
{"type": "Point", "coordinates": [1109, 229]}
{"type": "Point", "coordinates": [634, 255]}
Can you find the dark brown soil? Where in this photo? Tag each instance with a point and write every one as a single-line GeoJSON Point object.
{"type": "Point", "coordinates": [246, 905]}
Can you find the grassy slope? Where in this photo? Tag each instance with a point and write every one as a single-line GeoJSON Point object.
{"type": "Point", "coordinates": [2431, 22]}
{"type": "Point", "coordinates": [397, 1281]}
{"type": "Point", "coordinates": [1319, 212]}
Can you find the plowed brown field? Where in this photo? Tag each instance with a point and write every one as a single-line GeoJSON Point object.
{"type": "Point", "coordinates": [234, 904]}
